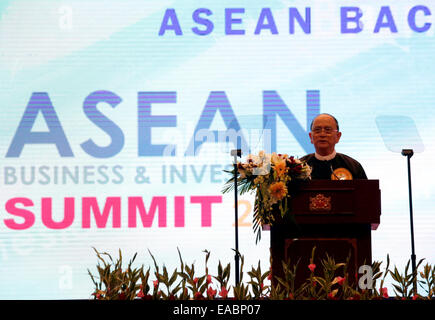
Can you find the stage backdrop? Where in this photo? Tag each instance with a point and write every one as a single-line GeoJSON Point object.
{"type": "Point", "coordinates": [118, 118]}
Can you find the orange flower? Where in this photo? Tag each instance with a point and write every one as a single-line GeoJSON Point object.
{"type": "Point", "coordinates": [280, 168]}
{"type": "Point", "coordinates": [278, 190]}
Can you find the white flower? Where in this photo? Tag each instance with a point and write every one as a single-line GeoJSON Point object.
{"type": "Point", "coordinates": [274, 158]}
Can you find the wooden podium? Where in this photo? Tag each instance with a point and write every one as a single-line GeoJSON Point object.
{"type": "Point", "coordinates": [335, 216]}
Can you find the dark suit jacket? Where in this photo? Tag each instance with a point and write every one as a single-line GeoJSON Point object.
{"type": "Point", "coordinates": [322, 169]}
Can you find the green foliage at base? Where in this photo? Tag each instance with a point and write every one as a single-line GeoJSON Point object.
{"type": "Point", "coordinates": [330, 281]}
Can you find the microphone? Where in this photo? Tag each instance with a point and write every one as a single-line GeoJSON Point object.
{"type": "Point", "coordinates": [236, 152]}
{"type": "Point", "coordinates": [332, 172]}
{"type": "Point", "coordinates": [407, 152]}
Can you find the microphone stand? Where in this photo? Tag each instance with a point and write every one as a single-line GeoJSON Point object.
{"type": "Point", "coordinates": [236, 153]}
{"type": "Point", "coordinates": [409, 153]}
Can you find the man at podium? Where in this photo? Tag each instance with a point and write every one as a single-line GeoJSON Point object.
{"type": "Point", "coordinates": [335, 218]}
{"type": "Point", "coordinates": [326, 163]}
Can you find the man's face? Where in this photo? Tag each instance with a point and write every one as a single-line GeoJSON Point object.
{"type": "Point", "coordinates": [324, 134]}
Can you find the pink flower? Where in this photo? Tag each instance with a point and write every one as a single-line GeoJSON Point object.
{"type": "Point", "coordinates": [339, 280]}
{"type": "Point", "coordinates": [198, 296]}
{"type": "Point", "coordinates": [224, 292]}
{"type": "Point", "coordinates": [140, 294]}
{"type": "Point", "coordinates": [210, 292]}
{"type": "Point", "coordinates": [195, 280]}
{"type": "Point", "coordinates": [156, 283]}
{"type": "Point", "coordinates": [356, 296]}
{"type": "Point", "coordinates": [384, 292]}
{"type": "Point", "coordinates": [208, 279]}
{"type": "Point", "coordinates": [312, 266]}
{"type": "Point", "coordinates": [331, 296]}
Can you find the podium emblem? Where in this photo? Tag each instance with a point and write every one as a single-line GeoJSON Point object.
{"type": "Point", "coordinates": [320, 203]}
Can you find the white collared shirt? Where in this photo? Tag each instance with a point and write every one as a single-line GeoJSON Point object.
{"type": "Point", "coordinates": [328, 157]}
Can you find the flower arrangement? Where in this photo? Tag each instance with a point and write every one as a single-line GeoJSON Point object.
{"type": "Point", "coordinates": [270, 176]}
{"type": "Point", "coordinates": [328, 281]}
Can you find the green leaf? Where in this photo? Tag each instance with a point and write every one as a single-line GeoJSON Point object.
{"type": "Point", "coordinates": [399, 289]}
{"type": "Point", "coordinates": [181, 260]}
{"type": "Point", "coordinates": [173, 278]}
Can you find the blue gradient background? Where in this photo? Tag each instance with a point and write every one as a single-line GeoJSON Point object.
{"type": "Point", "coordinates": [362, 78]}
